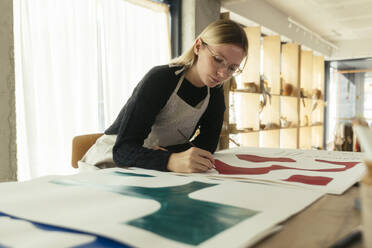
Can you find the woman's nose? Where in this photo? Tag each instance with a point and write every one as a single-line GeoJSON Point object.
{"type": "Point", "coordinates": [222, 73]}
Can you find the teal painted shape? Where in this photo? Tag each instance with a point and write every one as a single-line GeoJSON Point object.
{"type": "Point", "coordinates": [179, 218]}
{"type": "Point", "coordinates": [187, 220]}
{"type": "Point", "coordinates": [119, 173]}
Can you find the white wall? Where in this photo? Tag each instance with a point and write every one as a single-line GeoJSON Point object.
{"type": "Point", "coordinates": [353, 49]}
{"type": "Point", "coordinates": [8, 169]}
{"type": "Point", "coordinates": [259, 11]}
{"type": "Point", "coordinates": [274, 20]}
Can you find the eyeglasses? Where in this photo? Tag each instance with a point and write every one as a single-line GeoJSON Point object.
{"type": "Point", "coordinates": [220, 62]}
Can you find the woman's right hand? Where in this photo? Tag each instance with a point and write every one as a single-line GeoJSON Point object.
{"type": "Point", "coordinates": [191, 160]}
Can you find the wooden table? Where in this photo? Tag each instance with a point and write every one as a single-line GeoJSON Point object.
{"type": "Point", "coordinates": [320, 225]}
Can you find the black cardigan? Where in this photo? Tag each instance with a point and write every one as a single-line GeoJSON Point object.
{"type": "Point", "coordinates": [136, 118]}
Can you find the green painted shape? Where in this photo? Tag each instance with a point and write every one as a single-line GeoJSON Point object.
{"type": "Point", "coordinates": [179, 218]}
{"type": "Point", "coordinates": [187, 220]}
{"type": "Point", "coordinates": [119, 173]}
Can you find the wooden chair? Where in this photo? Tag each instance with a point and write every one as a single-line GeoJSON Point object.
{"type": "Point", "coordinates": [80, 145]}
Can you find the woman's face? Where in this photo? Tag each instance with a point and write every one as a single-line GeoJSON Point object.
{"type": "Point", "coordinates": [216, 63]}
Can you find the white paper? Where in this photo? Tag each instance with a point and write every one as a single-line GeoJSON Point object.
{"type": "Point", "coordinates": [306, 164]}
{"type": "Point", "coordinates": [84, 202]}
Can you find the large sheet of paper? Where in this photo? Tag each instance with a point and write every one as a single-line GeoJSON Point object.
{"type": "Point", "coordinates": [145, 208]}
{"type": "Point", "coordinates": [328, 171]}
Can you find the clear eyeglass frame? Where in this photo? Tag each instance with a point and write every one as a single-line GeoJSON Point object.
{"type": "Point", "coordinates": [221, 62]}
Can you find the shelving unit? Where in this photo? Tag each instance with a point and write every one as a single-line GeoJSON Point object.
{"type": "Point", "coordinates": [292, 117]}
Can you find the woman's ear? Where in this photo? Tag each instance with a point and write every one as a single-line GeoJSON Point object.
{"type": "Point", "coordinates": [197, 46]}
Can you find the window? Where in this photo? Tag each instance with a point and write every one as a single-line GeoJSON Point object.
{"type": "Point", "coordinates": [77, 63]}
{"type": "Point", "coordinates": [367, 111]}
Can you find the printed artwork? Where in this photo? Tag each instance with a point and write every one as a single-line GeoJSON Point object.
{"type": "Point", "coordinates": [144, 208]}
{"type": "Point", "coordinates": [332, 172]}
{"type": "Point", "coordinates": [194, 226]}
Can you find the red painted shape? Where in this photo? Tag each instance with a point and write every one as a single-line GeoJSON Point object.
{"type": "Point", "coordinates": [347, 165]}
{"type": "Point", "coordinates": [258, 159]}
{"type": "Point", "coordinates": [309, 180]}
{"type": "Point", "coordinates": [226, 169]}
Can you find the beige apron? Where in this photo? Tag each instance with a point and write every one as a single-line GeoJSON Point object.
{"type": "Point", "coordinates": [176, 114]}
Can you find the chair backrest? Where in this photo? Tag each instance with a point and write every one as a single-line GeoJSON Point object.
{"type": "Point", "coordinates": [80, 145]}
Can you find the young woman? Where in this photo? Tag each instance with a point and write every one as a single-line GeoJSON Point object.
{"type": "Point", "coordinates": [170, 103]}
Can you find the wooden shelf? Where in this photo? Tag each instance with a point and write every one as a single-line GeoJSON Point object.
{"type": "Point", "coordinates": [245, 91]}
{"type": "Point", "coordinates": [289, 96]}
{"type": "Point", "coordinates": [258, 93]}
{"type": "Point", "coordinates": [285, 68]}
{"type": "Point", "coordinates": [315, 125]}
{"type": "Point", "coordinates": [237, 131]}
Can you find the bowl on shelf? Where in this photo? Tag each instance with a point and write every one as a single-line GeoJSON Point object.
{"type": "Point", "coordinates": [317, 93]}
{"type": "Point", "coordinates": [317, 123]}
{"type": "Point", "coordinates": [250, 87]}
{"type": "Point", "coordinates": [285, 123]}
{"type": "Point", "coordinates": [287, 89]}
{"type": "Point", "coordinates": [232, 127]}
{"type": "Point", "coordinates": [272, 125]}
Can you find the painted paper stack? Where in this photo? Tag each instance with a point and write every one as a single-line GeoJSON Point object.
{"type": "Point", "coordinates": [249, 194]}
{"type": "Point", "coordinates": [143, 208]}
{"type": "Point", "coordinates": [327, 171]}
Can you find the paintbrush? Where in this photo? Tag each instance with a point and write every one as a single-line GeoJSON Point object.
{"type": "Point", "coordinates": [186, 139]}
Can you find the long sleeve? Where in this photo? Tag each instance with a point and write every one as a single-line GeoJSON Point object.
{"type": "Point", "coordinates": [136, 118]}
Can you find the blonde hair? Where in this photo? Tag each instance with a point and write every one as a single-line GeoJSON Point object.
{"type": "Point", "coordinates": [217, 33]}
